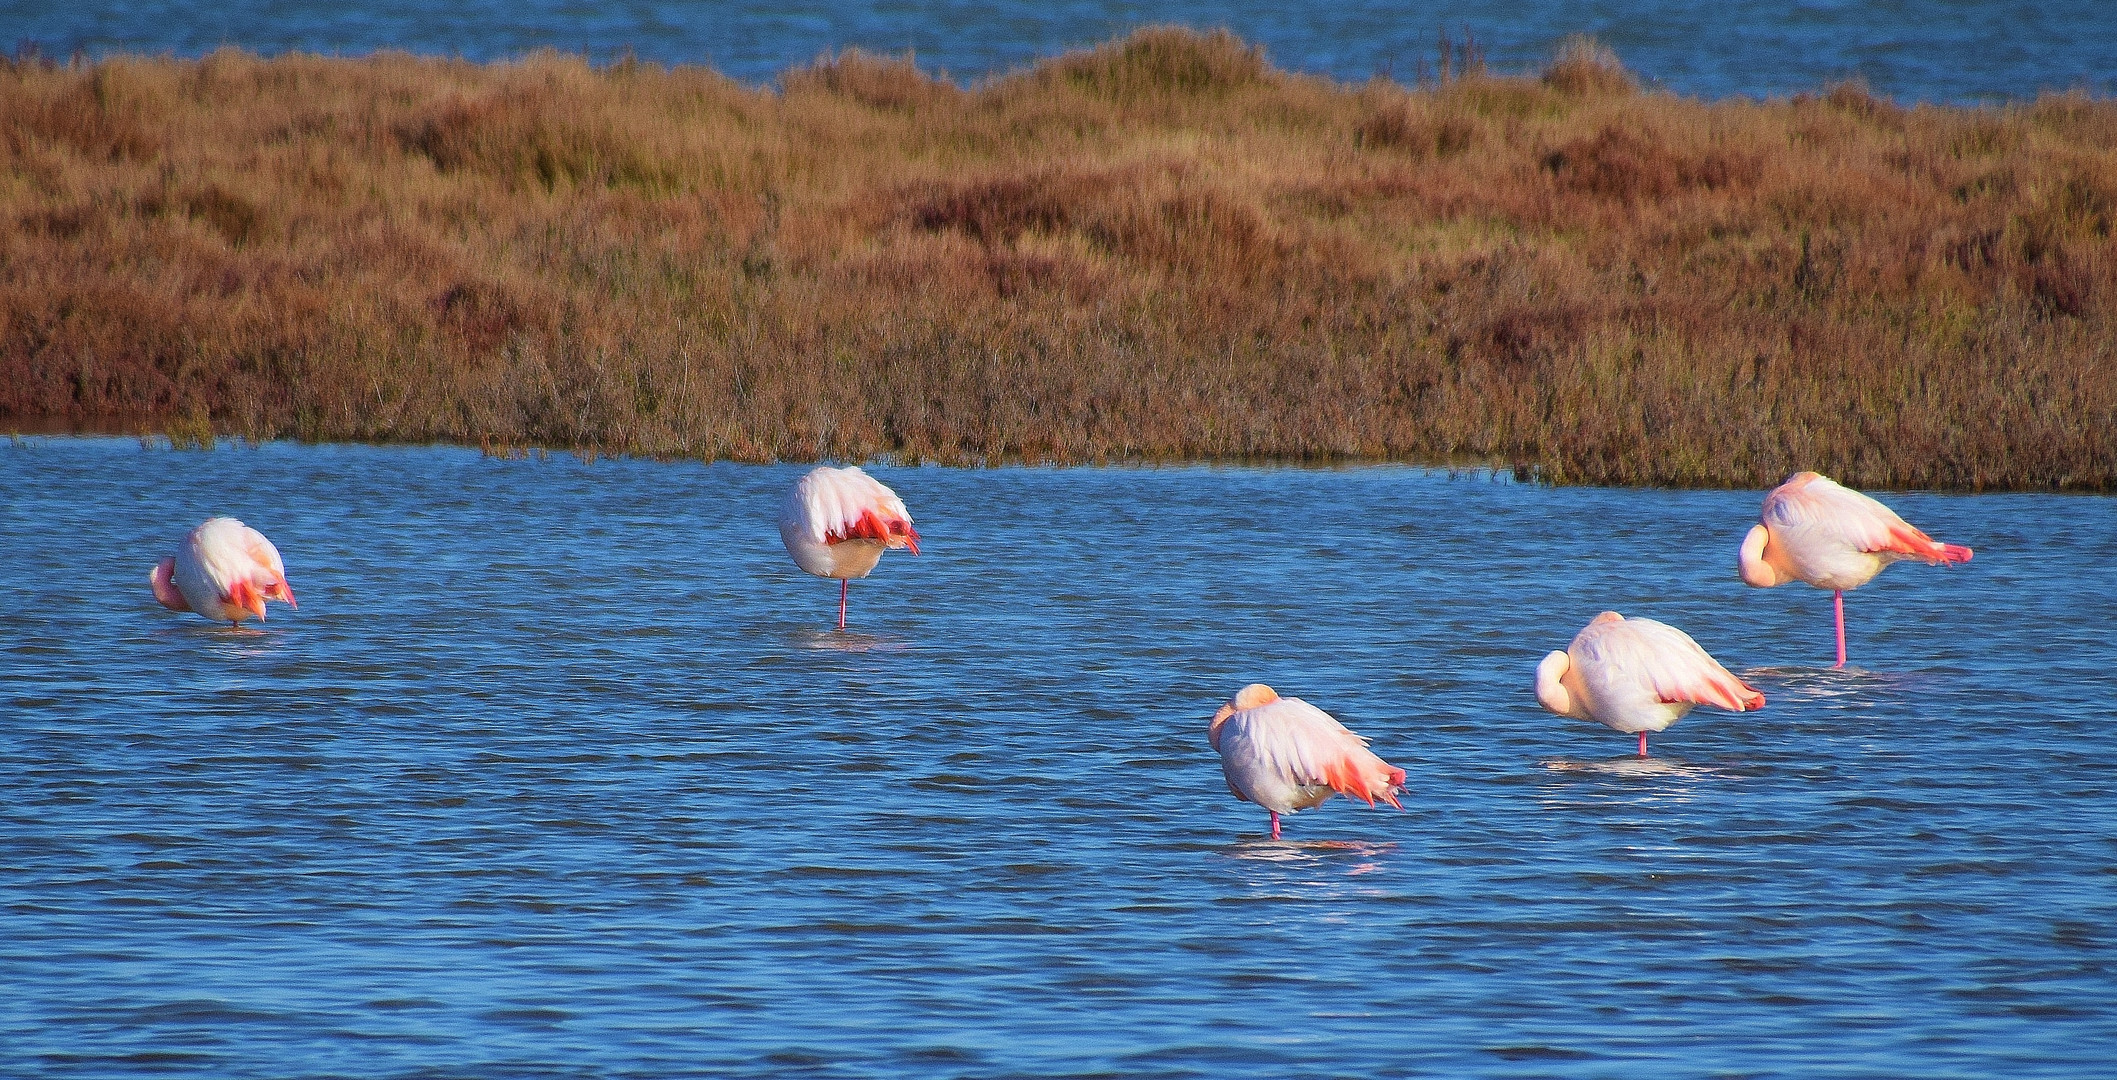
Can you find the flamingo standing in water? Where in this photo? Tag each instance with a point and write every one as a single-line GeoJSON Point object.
{"type": "Point", "coordinates": [1636, 675]}
{"type": "Point", "coordinates": [1285, 754]}
{"type": "Point", "coordinates": [838, 522]}
{"type": "Point", "coordinates": [224, 570]}
{"type": "Point", "coordinates": [1814, 530]}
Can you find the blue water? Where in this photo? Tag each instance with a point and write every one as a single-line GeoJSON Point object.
{"type": "Point", "coordinates": [559, 772]}
{"type": "Point", "coordinates": [1930, 50]}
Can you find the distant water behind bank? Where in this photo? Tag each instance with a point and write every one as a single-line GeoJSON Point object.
{"type": "Point", "coordinates": [1952, 51]}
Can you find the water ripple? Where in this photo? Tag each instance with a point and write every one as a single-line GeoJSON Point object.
{"type": "Point", "coordinates": [458, 816]}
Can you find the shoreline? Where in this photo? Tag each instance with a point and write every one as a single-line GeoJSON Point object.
{"type": "Point", "coordinates": [25, 437]}
{"type": "Point", "coordinates": [149, 438]}
{"type": "Point", "coordinates": [1160, 250]}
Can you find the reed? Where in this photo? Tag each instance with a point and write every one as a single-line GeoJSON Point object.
{"type": "Point", "coordinates": [1163, 248]}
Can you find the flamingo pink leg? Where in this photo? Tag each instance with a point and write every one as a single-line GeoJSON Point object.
{"type": "Point", "coordinates": [1642, 744]}
{"type": "Point", "coordinates": [843, 584]}
{"type": "Point", "coordinates": [1838, 602]}
{"type": "Point", "coordinates": [1275, 824]}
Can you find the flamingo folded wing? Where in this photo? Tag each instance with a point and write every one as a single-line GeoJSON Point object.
{"type": "Point", "coordinates": [846, 504]}
{"type": "Point", "coordinates": [1905, 539]}
{"type": "Point", "coordinates": [1681, 671]}
{"type": "Point", "coordinates": [1864, 524]}
{"type": "Point", "coordinates": [1304, 745]}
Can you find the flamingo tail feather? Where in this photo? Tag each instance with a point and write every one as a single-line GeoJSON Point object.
{"type": "Point", "coordinates": [873, 526]}
{"type": "Point", "coordinates": [1907, 540]}
{"type": "Point", "coordinates": [1725, 691]}
{"type": "Point", "coordinates": [1352, 779]}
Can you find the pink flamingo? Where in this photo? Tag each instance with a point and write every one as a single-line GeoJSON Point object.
{"type": "Point", "coordinates": [838, 522]}
{"type": "Point", "coordinates": [1285, 754]}
{"type": "Point", "coordinates": [1636, 675]}
{"type": "Point", "coordinates": [224, 570]}
{"type": "Point", "coordinates": [1832, 537]}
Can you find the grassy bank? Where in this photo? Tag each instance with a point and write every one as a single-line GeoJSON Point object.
{"type": "Point", "coordinates": [1164, 248]}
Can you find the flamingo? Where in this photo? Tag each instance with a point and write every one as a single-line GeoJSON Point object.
{"type": "Point", "coordinates": [1834, 538]}
{"type": "Point", "coordinates": [224, 570]}
{"type": "Point", "coordinates": [1285, 754]}
{"type": "Point", "coordinates": [838, 522]}
{"type": "Point", "coordinates": [1636, 675]}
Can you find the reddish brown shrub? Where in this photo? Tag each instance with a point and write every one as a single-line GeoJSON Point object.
{"type": "Point", "coordinates": [1617, 164]}
{"type": "Point", "coordinates": [1397, 127]}
{"type": "Point", "coordinates": [1158, 248]}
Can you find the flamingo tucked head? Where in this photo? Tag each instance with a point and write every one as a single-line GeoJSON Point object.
{"type": "Point", "coordinates": [1551, 690]}
{"type": "Point", "coordinates": [1759, 562]}
{"type": "Point", "coordinates": [1249, 697]}
{"type": "Point", "coordinates": [163, 579]}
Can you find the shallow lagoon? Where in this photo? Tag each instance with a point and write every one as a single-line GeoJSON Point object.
{"type": "Point", "coordinates": [559, 771]}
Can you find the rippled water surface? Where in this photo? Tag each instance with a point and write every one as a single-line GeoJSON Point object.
{"type": "Point", "coordinates": [559, 771]}
{"type": "Point", "coordinates": [1931, 50]}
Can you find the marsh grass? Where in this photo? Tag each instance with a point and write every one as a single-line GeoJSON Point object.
{"type": "Point", "coordinates": [1162, 248]}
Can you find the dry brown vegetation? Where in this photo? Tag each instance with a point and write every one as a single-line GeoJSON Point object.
{"type": "Point", "coordinates": [1163, 248]}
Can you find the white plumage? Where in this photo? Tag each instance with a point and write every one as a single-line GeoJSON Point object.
{"type": "Point", "coordinates": [836, 523]}
{"type": "Point", "coordinates": [1815, 530]}
{"type": "Point", "coordinates": [1636, 676]}
{"type": "Point", "coordinates": [224, 570]}
{"type": "Point", "coordinates": [1285, 754]}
